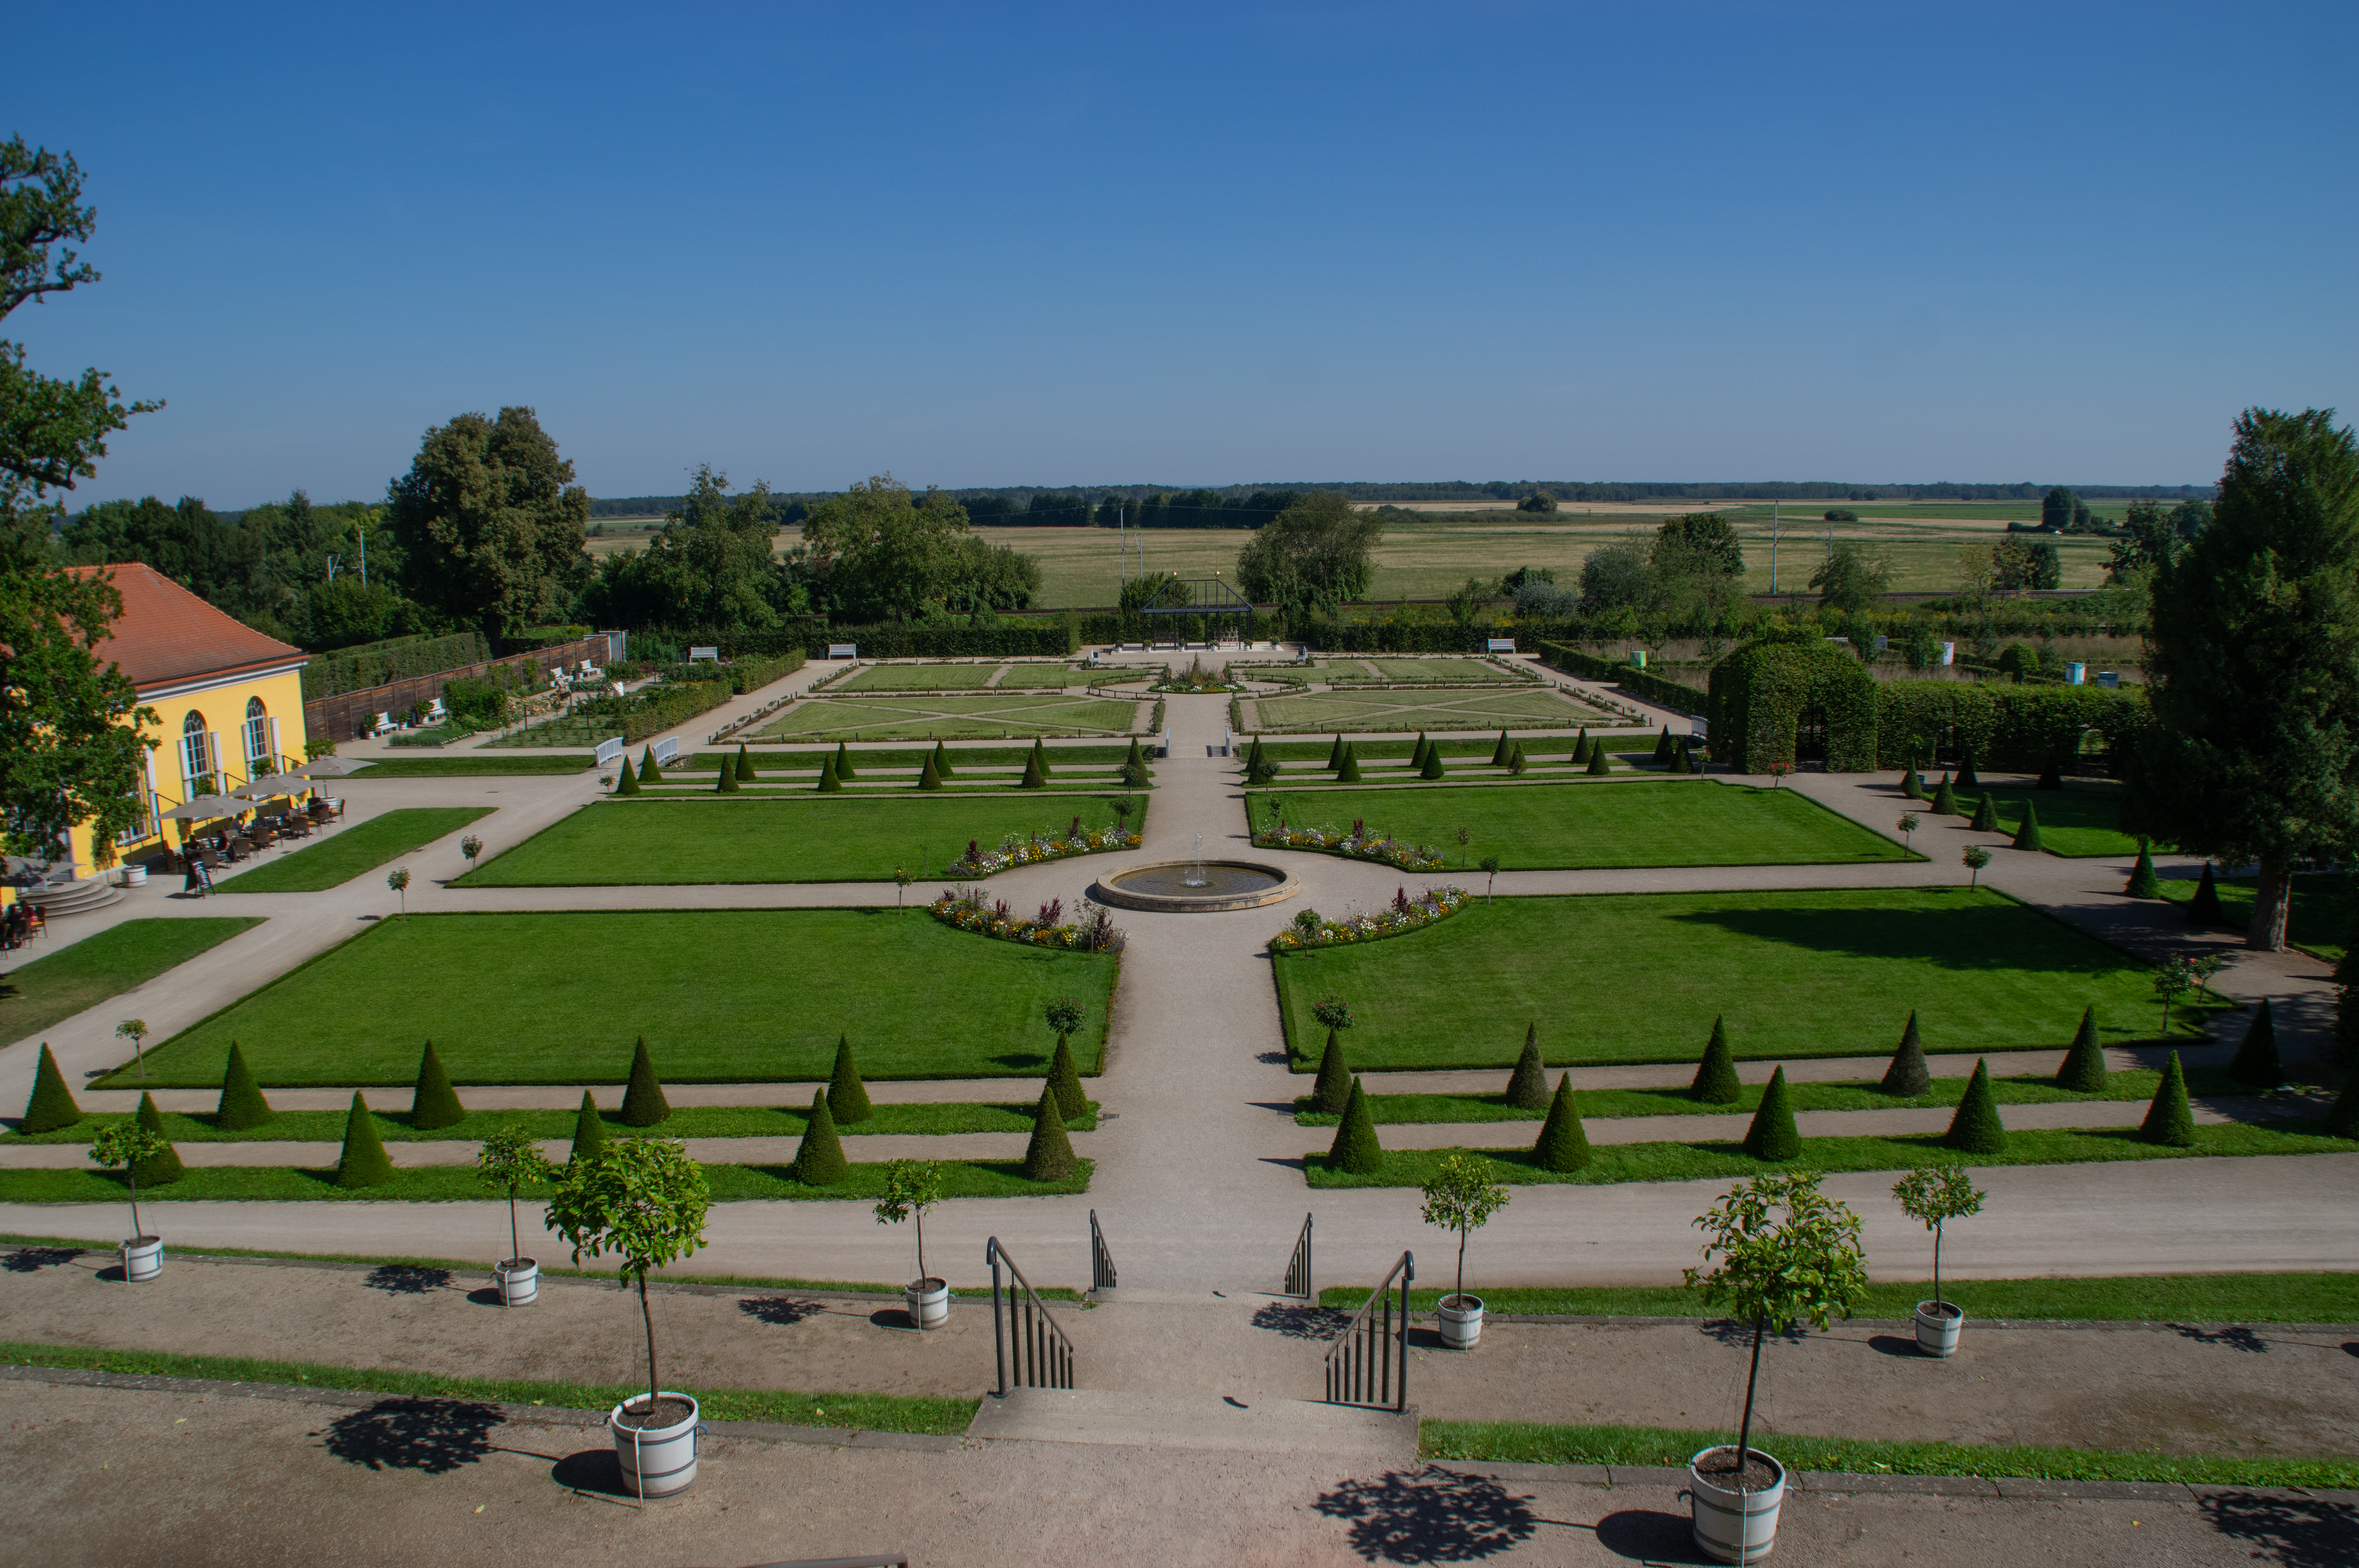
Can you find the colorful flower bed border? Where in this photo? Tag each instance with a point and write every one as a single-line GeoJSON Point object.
{"type": "Point", "coordinates": [1356, 845]}
{"type": "Point", "coordinates": [1407, 915]}
{"type": "Point", "coordinates": [1013, 851]}
{"type": "Point", "coordinates": [969, 910]}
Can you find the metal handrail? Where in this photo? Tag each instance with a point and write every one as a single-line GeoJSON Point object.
{"type": "Point", "coordinates": [1360, 1364]}
{"type": "Point", "coordinates": [1101, 1275]}
{"type": "Point", "coordinates": [1043, 1357]}
{"type": "Point", "coordinates": [1297, 1268]}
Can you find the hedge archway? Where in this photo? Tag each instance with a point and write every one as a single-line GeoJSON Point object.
{"type": "Point", "coordinates": [1759, 695]}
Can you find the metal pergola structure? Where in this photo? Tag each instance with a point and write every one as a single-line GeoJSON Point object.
{"type": "Point", "coordinates": [1209, 597]}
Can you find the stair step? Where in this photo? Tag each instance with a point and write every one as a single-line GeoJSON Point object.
{"type": "Point", "coordinates": [74, 898]}
{"type": "Point", "coordinates": [1194, 1421]}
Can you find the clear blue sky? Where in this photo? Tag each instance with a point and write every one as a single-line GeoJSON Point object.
{"type": "Point", "coordinates": [1203, 243]}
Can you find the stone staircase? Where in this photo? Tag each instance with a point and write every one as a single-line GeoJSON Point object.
{"type": "Point", "coordinates": [1194, 1421]}
{"type": "Point", "coordinates": [61, 898]}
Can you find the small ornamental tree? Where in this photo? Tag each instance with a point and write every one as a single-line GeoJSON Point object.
{"type": "Point", "coordinates": [628, 782]}
{"type": "Point", "coordinates": [2143, 883]}
{"type": "Point", "coordinates": [902, 878]}
{"type": "Point", "coordinates": [471, 846]}
{"type": "Point", "coordinates": [1260, 772]}
{"type": "Point", "coordinates": [1715, 1076]}
{"type": "Point", "coordinates": [1355, 1148]}
{"type": "Point", "coordinates": [2172, 980]}
{"type": "Point", "coordinates": [362, 1162]}
{"type": "Point", "coordinates": [643, 1200]}
{"type": "Point", "coordinates": [911, 1188]}
{"type": "Point", "coordinates": [1064, 1081]}
{"type": "Point", "coordinates": [1489, 866]}
{"type": "Point", "coordinates": [2027, 835]}
{"type": "Point", "coordinates": [847, 1096]}
{"type": "Point", "coordinates": [510, 1161]}
{"type": "Point", "coordinates": [2169, 1119]}
{"type": "Point", "coordinates": [1528, 1085]}
{"type": "Point", "coordinates": [2203, 909]}
{"type": "Point", "coordinates": [1460, 1195]}
{"type": "Point", "coordinates": [1907, 825]}
{"type": "Point", "coordinates": [589, 1130]}
{"type": "Point", "coordinates": [1048, 1157]}
{"type": "Point", "coordinates": [1563, 1143]}
{"type": "Point", "coordinates": [2083, 1071]}
{"type": "Point", "coordinates": [432, 1101]}
{"type": "Point", "coordinates": [135, 1029]}
{"type": "Point", "coordinates": [1976, 1129]}
{"type": "Point", "coordinates": [1333, 1090]}
{"type": "Point", "coordinates": [1464, 836]}
{"type": "Point", "coordinates": [1985, 820]}
{"type": "Point", "coordinates": [1778, 772]}
{"type": "Point", "coordinates": [2257, 1058]}
{"type": "Point", "coordinates": [1785, 1252]}
{"type": "Point", "coordinates": [819, 1160]}
{"type": "Point", "coordinates": [1908, 1075]}
{"type": "Point", "coordinates": [643, 1101]}
{"type": "Point", "coordinates": [1772, 1135]}
{"type": "Point", "coordinates": [398, 880]}
{"type": "Point", "coordinates": [53, 1105]}
{"type": "Point", "coordinates": [127, 1145]}
{"type": "Point", "coordinates": [1975, 858]}
{"type": "Point", "coordinates": [1934, 1195]}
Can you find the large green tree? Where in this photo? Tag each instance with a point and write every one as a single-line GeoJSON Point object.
{"type": "Point", "coordinates": [711, 568]}
{"type": "Point", "coordinates": [491, 523]}
{"type": "Point", "coordinates": [1849, 580]}
{"type": "Point", "coordinates": [2252, 665]}
{"type": "Point", "coordinates": [879, 552]}
{"type": "Point", "coordinates": [1316, 553]}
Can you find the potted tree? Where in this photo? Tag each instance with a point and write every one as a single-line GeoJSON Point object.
{"type": "Point", "coordinates": [511, 1159]}
{"type": "Point", "coordinates": [1460, 1196]}
{"type": "Point", "coordinates": [1934, 1194]}
{"type": "Point", "coordinates": [1786, 1253]}
{"type": "Point", "coordinates": [125, 1143]}
{"type": "Point", "coordinates": [645, 1200]}
{"type": "Point", "coordinates": [911, 1187]}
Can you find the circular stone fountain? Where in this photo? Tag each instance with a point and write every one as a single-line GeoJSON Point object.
{"type": "Point", "coordinates": [1193, 886]}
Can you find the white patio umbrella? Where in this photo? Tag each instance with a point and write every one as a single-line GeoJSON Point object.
{"type": "Point", "coordinates": [275, 784]}
{"type": "Point", "coordinates": [205, 808]}
{"type": "Point", "coordinates": [330, 768]}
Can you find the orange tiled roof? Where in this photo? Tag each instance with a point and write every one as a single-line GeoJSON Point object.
{"type": "Point", "coordinates": [168, 636]}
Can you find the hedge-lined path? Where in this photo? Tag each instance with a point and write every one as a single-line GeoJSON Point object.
{"type": "Point", "coordinates": [762, 1149]}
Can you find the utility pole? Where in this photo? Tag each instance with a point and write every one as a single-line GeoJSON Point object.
{"type": "Point", "coordinates": [1773, 549]}
{"type": "Point", "coordinates": [1122, 541]}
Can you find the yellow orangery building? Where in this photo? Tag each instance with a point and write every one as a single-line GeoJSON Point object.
{"type": "Point", "coordinates": [229, 700]}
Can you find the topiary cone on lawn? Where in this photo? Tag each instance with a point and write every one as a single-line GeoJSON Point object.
{"type": "Point", "coordinates": [843, 762]}
{"type": "Point", "coordinates": [1772, 1135]}
{"type": "Point", "coordinates": [649, 772]}
{"type": "Point", "coordinates": [847, 1096]}
{"type": "Point", "coordinates": [745, 773]}
{"type": "Point", "coordinates": [2051, 776]}
{"type": "Point", "coordinates": [1663, 744]}
{"type": "Point", "coordinates": [1350, 772]}
{"type": "Point", "coordinates": [1499, 751]}
{"type": "Point", "coordinates": [2169, 1120]}
{"type": "Point", "coordinates": [1976, 1128]}
{"type": "Point", "coordinates": [1065, 1082]}
{"type": "Point", "coordinates": [2203, 909]}
{"type": "Point", "coordinates": [162, 1167]}
{"type": "Point", "coordinates": [1416, 751]}
{"type": "Point", "coordinates": [2143, 883]}
{"type": "Point", "coordinates": [643, 1102]}
{"type": "Point", "coordinates": [1716, 1079]}
{"type": "Point", "coordinates": [725, 782]}
{"type": "Point", "coordinates": [52, 1103]}
{"type": "Point", "coordinates": [1335, 752]}
{"type": "Point", "coordinates": [1911, 785]}
{"type": "Point", "coordinates": [1333, 1090]}
{"type": "Point", "coordinates": [589, 1129]}
{"type": "Point", "coordinates": [1597, 763]}
{"type": "Point", "coordinates": [1581, 747]}
{"type": "Point", "coordinates": [432, 1101]}
{"type": "Point", "coordinates": [1945, 799]}
{"type": "Point", "coordinates": [2027, 837]}
{"type": "Point", "coordinates": [1907, 1074]}
{"type": "Point", "coordinates": [1986, 816]}
{"type": "Point", "coordinates": [2083, 1071]}
{"type": "Point", "coordinates": [1355, 1148]}
{"type": "Point", "coordinates": [943, 758]}
{"type": "Point", "coordinates": [1683, 758]}
{"type": "Point", "coordinates": [1033, 777]}
{"type": "Point", "coordinates": [1563, 1145]}
{"type": "Point", "coordinates": [362, 1162]}
{"type": "Point", "coordinates": [820, 1162]}
{"type": "Point", "coordinates": [628, 783]}
{"type": "Point", "coordinates": [2257, 1058]}
{"type": "Point", "coordinates": [1527, 1086]}
{"type": "Point", "coordinates": [1967, 778]}
{"type": "Point", "coordinates": [929, 777]}
{"type": "Point", "coordinates": [828, 782]}
{"type": "Point", "coordinates": [1049, 1156]}
{"type": "Point", "coordinates": [1040, 754]}
{"type": "Point", "coordinates": [1431, 768]}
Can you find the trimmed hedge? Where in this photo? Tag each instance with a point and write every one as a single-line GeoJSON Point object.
{"type": "Point", "coordinates": [1645, 685]}
{"type": "Point", "coordinates": [1758, 695]}
{"type": "Point", "coordinates": [2020, 729]}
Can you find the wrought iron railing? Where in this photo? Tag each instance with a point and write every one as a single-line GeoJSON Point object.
{"type": "Point", "coordinates": [1101, 1277]}
{"type": "Point", "coordinates": [1361, 1368]}
{"type": "Point", "coordinates": [1297, 1268]}
{"type": "Point", "coordinates": [1022, 1331]}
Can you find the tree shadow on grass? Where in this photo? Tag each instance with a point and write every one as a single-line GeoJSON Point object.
{"type": "Point", "coordinates": [32, 1259]}
{"type": "Point", "coordinates": [1020, 1060]}
{"type": "Point", "coordinates": [1976, 938]}
{"type": "Point", "coordinates": [433, 1436]}
{"type": "Point", "coordinates": [1430, 1516]}
{"type": "Point", "coordinates": [2295, 1532]}
{"type": "Point", "coordinates": [407, 1279]}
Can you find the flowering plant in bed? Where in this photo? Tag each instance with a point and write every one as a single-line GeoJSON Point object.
{"type": "Point", "coordinates": [1050, 845]}
{"type": "Point", "coordinates": [969, 910]}
{"type": "Point", "coordinates": [1311, 929]}
{"type": "Point", "coordinates": [1357, 843]}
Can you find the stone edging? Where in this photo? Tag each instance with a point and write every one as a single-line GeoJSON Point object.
{"type": "Point", "coordinates": [1910, 1324]}
{"type": "Point", "coordinates": [2005, 1489]}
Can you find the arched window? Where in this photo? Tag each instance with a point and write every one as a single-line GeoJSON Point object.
{"type": "Point", "coordinates": [196, 754]}
{"type": "Point", "coordinates": [258, 749]}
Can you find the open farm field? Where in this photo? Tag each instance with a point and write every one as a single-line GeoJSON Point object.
{"type": "Point", "coordinates": [722, 996]}
{"type": "Point", "coordinates": [950, 718]}
{"type": "Point", "coordinates": [1528, 708]}
{"type": "Point", "coordinates": [1640, 976]}
{"type": "Point", "coordinates": [1548, 826]}
{"type": "Point", "coordinates": [802, 837]}
{"type": "Point", "coordinates": [56, 986]}
{"type": "Point", "coordinates": [346, 853]}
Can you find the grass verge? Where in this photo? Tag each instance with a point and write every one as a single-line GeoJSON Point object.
{"type": "Point", "coordinates": [493, 764]}
{"type": "Point", "coordinates": [456, 1183]}
{"type": "Point", "coordinates": [687, 1121]}
{"type": "Point", "coordinates": [354, 850]}
{"type": "Point", "coordinates": [53, 988]}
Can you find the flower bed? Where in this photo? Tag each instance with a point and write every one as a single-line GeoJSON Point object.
{"type": "Point", "coordinates": [1014, 851]}
{"type": "Point", "coordinates": [1357, 844]}
{"type": "Point", "coordinates": [967, 909]}
{"type": "Point", "coordinates": [1406, 914]}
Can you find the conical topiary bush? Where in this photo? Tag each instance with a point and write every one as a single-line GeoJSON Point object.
{"type": "Point", "coordinates": [2203, 909]}
{"type": "Point", "coordinates": [1976, 1128]}
{"type": "Point", "coordinates": [828, 782]}
{"type": "Point", "coordinates": [745, 773]}
{"type": "Point", "coordinates": [1716, 1079]}
{"type": "Point", "coordinates": [1335, 752]}
{"type": "Point", "coordinates": [1908, 1075]}
{"type": "Point", "coordinates": [1563, 1145]}
{"type": "Point", "coordinates": [1945, 799]}
{"type": "Point", "coordinates": [1663, 745]}
{"type": "Point", "coordinates": [1683, 759]}
{"type": "Point", "coordinates": [649, 771]}
{"type": "Point", "coordinates": [726, 781]}
{"type": "Point", "coordinates": [2143, 883]}
{"type": "Point", "coordinates": [643, 1101]}
{"type": "Point", "coordinates": [1986, 816]}
{"type": "Point", "coordinates": [1355, 1148]}
{"type": "Point", "coordinates": [929, 777]}
{"type": "Point", "coordinates": [1417, 753]}
{"type": "Point", "coordinates": [819, 1160]}
{"type": "Point", "coordinates": [1773, 1135]}
{"type": "Point", "coordinates": [589, 1129]}
{"type": "Point", "coordinates": [1581, 742]}
{"type": "Point", "coordinates": [1333, 1090]}
{"type": "Point", "coordinates": [163, 1165]}
{"type": "Point", "coordinates": [2051, 776]}
{"type": "Point", "coordinates": [1065, 1082]}
{"type": "Point", "coordinates": [943, 758]}
{"type": "Point", "coordinates": [2256, 1059]}
{"type": "Point", "coordinates": [1041, 751]}
{"type": "Point", "coordinates": [1350, 772]}
{"type": "Point", "coordinates": [362, 1162]}
{"type": "Point", "coordinates": [628, 783]}
{"type": "Point", "coordinates": [2083, 1071]}
{"type": "Point", "coordinates": [1911, 785]}
{"type": "Point", "coordinates": [2170, 1121]}
{"type": "Point", "coordinates": [1967, 777]}
{"type": "Point", "coordinates": [1499, 751]}
{"type": "Point", "coordinates": [1033, 777]}
{"type": "Point", "coordinates": [432, 1101]}
{"type": "Point", "coordinates": [1597, 763]}
{"type": "Point", "coordinates": [1049, 1156]}
{"type": "Point", "coordinates": [2027, 837]}
{"type": "Point", "coordinates": [1528, 1085]}
{"type": "Point", "coordinates": [1431, 769]}
{"type": "Point", "coordinates": [52, 1102]}
{"type": "Point", "coordinates": [847, 1096]}
{"type": "Point", "coordinates": [843, 762]}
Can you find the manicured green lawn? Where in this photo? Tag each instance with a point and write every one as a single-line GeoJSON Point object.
{"type": "Point", "coordinates": [2080, 821]}
{"type": "Point", "coordinates": [1639, 977]}
{"type": "Point", "coordinates": [804, 764]}
{"type": "Point", "coordinates": [1524, 1444]}
{"type": "Point", "coordinates": [2130, 1298]}
{"type": "Point", "coordinates": [480, 764]}
{"type": "Point", "coordinates": [457, 1184]}
{"type": "Point", "coordinates": [1857, 1094]}
{"type": "Point", "coordinates": [1524, 708]}
{"type": "Point", "coordinates": [868, 1412]}
{"type": "Point", "coordinates": [1442, 671]}
{"type": "Point", "coordinates": [1710, 1160]}
{"type": "Point", "coordinates": [806, 838]}
{"type": "Point", "coordinates": [2325, 909]}
{"type": "Point", "coordinates": [1543, 827]}
{"type": "Point", "coordinates": [1022, 674]}
{"type": "Point", "coordinates": [62, 983]}
{"type": "Point", "coordinates": [687, 1121]}
{"type": "Point", "coordinates": [982, 716]}
{"type": "Point", "coordinates": [1453, 748]}
{"type": "Point", "coordinates": [348, 851]}
{"type": "Point", "coordinates": [722, 996]}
